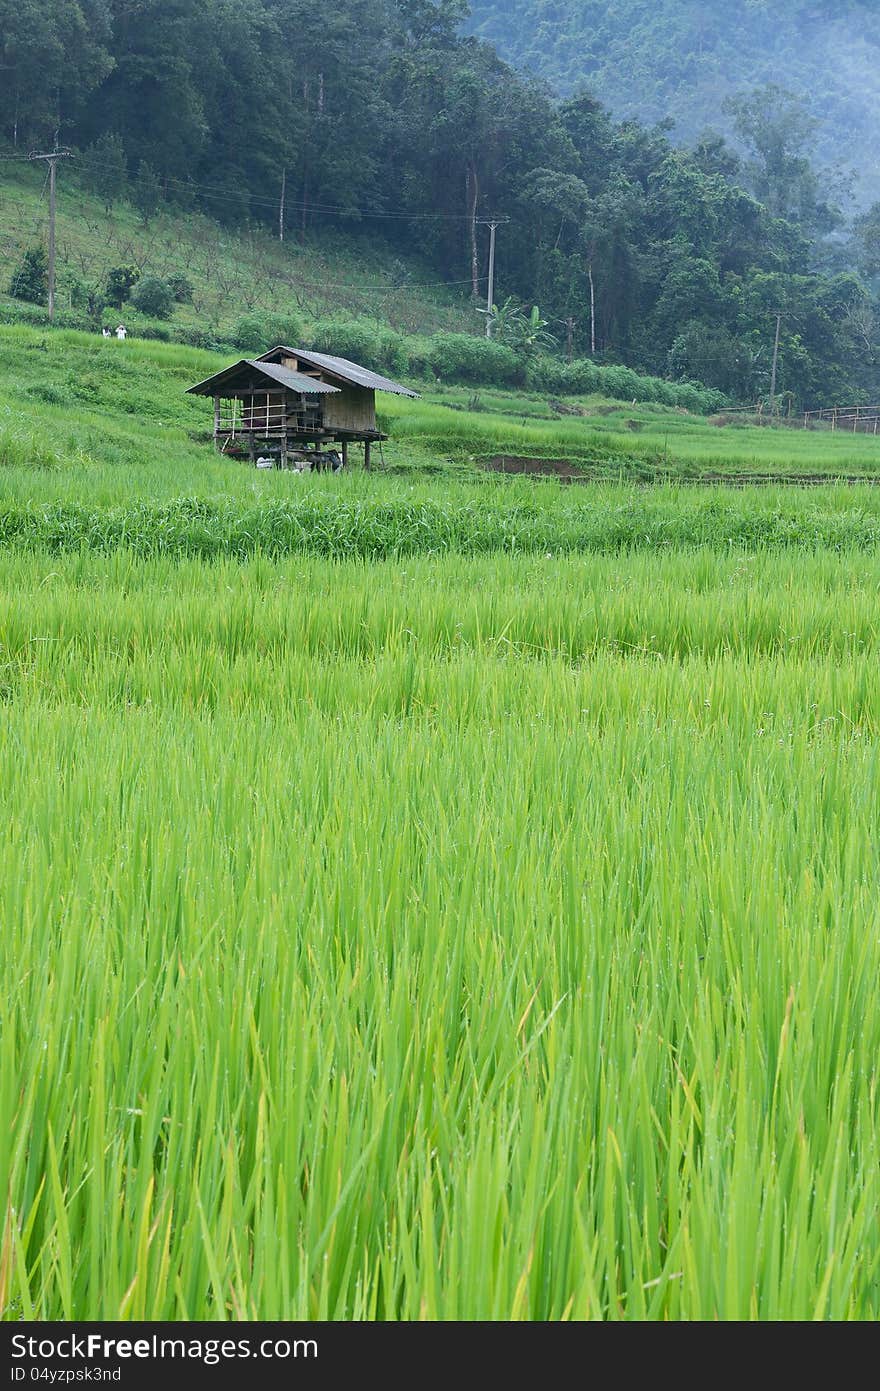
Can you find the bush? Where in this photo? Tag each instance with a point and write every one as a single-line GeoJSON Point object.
{"type": "Point", "coordinates": [365, 341]}
{"type": "Point", "coordinates": [119, 284]}
{"type": "Point", "coordinates": [551, 374]}
{"type": "Point", "coordinates": [584, 377]}
{"type": "Point", "coordinates": [464, 357]}
{"type": "Point", "coordinates": [283, 328]}
{"type": "Point", "coordinates": [205, 338]}
{"type": "Point", "coordinates": [30, 281]}
{"type": "Point", "coordinates": [158, 332]}
{"type": "Point", "coordinates": [253, 334]}
{"type": "Point", "coordinates": [249, 335]}
{"type": "Point", "coordinates": [153, 296]}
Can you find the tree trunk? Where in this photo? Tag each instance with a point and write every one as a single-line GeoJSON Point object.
{"type": "Point", "coordinates": [304, 216]}
{"type": "Point", "coordinates": [592, 310]}
{"type": "Point", "coordinates": [472, 188]}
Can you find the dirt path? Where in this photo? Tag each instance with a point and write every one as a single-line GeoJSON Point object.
{"type": "Point", "coordinates": [565, 471]}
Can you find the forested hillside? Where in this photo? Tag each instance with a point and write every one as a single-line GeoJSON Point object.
{"type": "Point", "coordinates": [379, 120]}
{"type": "Point", "coordinates": [677, 59]}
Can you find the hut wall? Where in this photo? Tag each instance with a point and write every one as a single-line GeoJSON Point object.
{"type": "Point", "coordinates": [352, 408]}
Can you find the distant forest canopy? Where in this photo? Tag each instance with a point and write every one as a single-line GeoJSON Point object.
{"type": "Point", "coordinates": [680, 59]}
{"type": "Point", "coordinates": [380, 117]}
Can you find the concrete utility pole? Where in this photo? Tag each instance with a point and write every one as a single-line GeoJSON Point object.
{"type": "Point", "coordinates": [775, 360]}
{"type": "Point", "coordinates": [52, 160]}
{"type": "Point", "coordinates": [493, 224]}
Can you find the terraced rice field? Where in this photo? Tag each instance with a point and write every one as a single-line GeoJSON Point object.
{"type": "Point", "coordinates": [431, 894]}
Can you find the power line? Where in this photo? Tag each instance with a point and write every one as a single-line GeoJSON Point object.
{"type": "Point", "coordinates": [220, 191]}
{"type": "Point", "coordinates": [389, 286]}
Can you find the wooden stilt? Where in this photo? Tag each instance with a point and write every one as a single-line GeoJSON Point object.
{"type": "Point", "coordinates": [366, 454]}
{"type": "Point", "coordinates": [345, 453]}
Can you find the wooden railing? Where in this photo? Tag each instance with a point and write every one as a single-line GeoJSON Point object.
{"type": "Point", "coordinates": [864, 420]}
{"type": "Point", "coordinates": [264, 413]}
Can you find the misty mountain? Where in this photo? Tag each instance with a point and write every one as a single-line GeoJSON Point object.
{"type": "Point", "coordinates": [680, 59]}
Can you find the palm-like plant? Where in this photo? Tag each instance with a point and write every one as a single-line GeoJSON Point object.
{"type": "Point", "coordinates": [525, 333]}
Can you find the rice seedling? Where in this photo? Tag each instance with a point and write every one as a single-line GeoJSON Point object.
{"type": "Point", "coordinates": [450, 936]}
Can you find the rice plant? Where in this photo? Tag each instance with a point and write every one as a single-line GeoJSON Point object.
{"type": "Point", "coordinates": [448, 937]}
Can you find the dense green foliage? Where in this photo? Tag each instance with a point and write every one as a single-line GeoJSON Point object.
{"type": "Point", "coordinates": [674, 59]}
{"type": "Point", "coordinates": [674, 262]}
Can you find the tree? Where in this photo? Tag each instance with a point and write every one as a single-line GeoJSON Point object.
{"type": "Point", "coordinates": [30, 281]}
{"type": "Point", "coordinates": [182, 289]}
{"type": "Point", "coordinates": [867, 243]}
{"type": "Point", "coordinates": [711, 353]}
{"type": "Point", "coordinates": [120, 282]}
{"type": "Point", "coordinates": [153, 296]}
{"type": "Point", "coordinates": [103, 169]}
{"type": "Point", "coordinates": [146, 193]}
{"type": "Point", "coordinates": [502, 316]}
{"type": "Point", "coordinates": [52, 56]}
{"type": "Point", "coordinates": [776, 126]}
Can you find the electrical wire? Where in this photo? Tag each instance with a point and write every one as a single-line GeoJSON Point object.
{"type": "Point", "coordinates": [225, 192]}
{"type": "Point", "coordinates": [386, 287]}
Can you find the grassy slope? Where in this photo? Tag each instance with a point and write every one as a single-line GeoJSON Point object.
{"type": "Point", "coordinates": [233, 275]}
{"type": "Point", "coordinates": [75, 409]}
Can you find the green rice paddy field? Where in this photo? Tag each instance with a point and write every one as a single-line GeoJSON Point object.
{"type": "Point", "coordinates": [431, 895]}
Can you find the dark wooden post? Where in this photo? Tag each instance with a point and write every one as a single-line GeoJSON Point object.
{"type": "Point", "coordinates": [345, 453]}
{"type": "Point", "coordinates": [366, 454]}
{"type": "Point", "coordinates": [216, 420]}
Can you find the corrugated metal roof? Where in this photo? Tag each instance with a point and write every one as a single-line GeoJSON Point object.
{"type": "Point", "coordinates": [344, 369]}
{"type": "Point", "coordinates": [294, 381]}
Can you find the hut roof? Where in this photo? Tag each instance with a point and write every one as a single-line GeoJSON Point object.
{"type": "Point", "coordinates": [272, 371]}
{"type": "Point", "coordinates": [341, 368]}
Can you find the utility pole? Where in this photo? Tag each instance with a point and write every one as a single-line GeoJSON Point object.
{"type": "Point", "coordinates": [775, 360]}
{"type": "Point", "coordinates": [52, 160]}
{"type": "Point", "coordinates": [281, 207]}
{"type": "Point", "coordinates": [493, 223]}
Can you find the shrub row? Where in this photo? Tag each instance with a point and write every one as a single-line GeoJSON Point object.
{"type": "Point", "coordinates": [445, 357]}
{"type": "Point", "coordinates": [584, 377]}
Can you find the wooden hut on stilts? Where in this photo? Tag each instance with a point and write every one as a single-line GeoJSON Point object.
{"type": "Point", "coordinates": [290, 404]}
